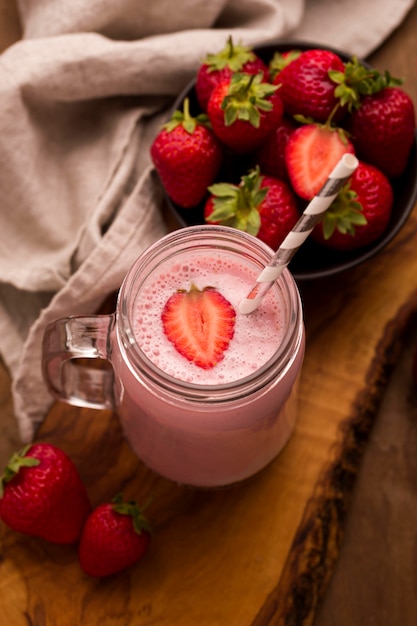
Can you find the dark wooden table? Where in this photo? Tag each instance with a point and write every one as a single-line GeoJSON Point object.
{"type": "Point", "coordinates": [325, 536]}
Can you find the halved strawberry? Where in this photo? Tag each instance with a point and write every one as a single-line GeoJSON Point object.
{"type": "Point", "coordinates": [312, 151]}
{"type": "Point", "coordinates": [200, 324]}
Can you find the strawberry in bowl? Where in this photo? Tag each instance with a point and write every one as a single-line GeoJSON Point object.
{"type": "Point", "coordinates": [220, 66]}
{"type": "Point", "coordinates": [293, 123]}
{"type": "Point", "coordinates": [361, 212]}
{"type": "Point", "coordinates": [263, 206]}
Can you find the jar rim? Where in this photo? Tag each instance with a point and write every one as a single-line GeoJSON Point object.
{"type": "Point", "coordinates": [260, 254]}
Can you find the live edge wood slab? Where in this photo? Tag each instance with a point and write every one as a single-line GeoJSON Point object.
{"type": "Point", "coordinates": [263, 552]}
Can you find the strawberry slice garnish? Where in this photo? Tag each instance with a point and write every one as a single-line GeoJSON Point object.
{"type": "Point", "coordinates": [200, 324]}
{"type": "Point", "coordinates": [311, 153]}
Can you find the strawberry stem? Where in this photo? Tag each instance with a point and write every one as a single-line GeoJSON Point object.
{"type": "Point", "coordinates": [186, 120]}
{"type": "Point", "coordinates": [132, 508]}
{"type": "Point", "coordinates": [230, 47]}
{"type": "Point", "coordinates": [357, 81]}
{"type": "Point", "coordinates": [232, 56]}
{"type": "Point", "coordinates": [328, 124]}
{"type": "Point", "coordinates": [246, 97]}
{"type": "Point", "coordinates": [332, 114]}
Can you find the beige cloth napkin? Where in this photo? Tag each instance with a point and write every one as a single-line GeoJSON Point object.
{"type": "Point", "coordinates": [81, 98]}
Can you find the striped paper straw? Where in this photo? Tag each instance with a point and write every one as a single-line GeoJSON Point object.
{"type": "Point", "coordinates": [296, 237]}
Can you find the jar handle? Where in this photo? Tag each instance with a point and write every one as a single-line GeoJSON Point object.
{"type": "Point", "coordinates": [76, 361]}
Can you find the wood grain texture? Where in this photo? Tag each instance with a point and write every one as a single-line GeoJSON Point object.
{"type": "Point", "coordinates": [261, 553]}
{"type": "Point", "coordinates": [375, 577]}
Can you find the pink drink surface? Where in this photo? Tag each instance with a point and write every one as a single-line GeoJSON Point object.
{"type": "Point", "coordinates": [256, 336]}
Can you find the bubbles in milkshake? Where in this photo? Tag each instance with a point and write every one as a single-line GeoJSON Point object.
{"type": "Point", "coordinates": [256, 336]}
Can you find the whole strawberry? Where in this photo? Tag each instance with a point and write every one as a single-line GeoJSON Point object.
{"type": "Point", "coordinates": [243, 111]}
{"type": "Point", "coordinates": [263, 206]}
{"type": "Point", "coordinates": [187, 157]}
{"type": "Point", "coordinates": [306, 87]}
{"type": "Point", "coordinates": [383, 129]}
{"type": "Point", "coordinates": [115, 536]}
{"type": "Point", "coordinates": [218, 67]}
{"type": "Point", "coordinates": [311, 152]}
{"type": "Point", "coordinates": [360, 213]}
{"type": "Point", "coordinates": [43, 495]}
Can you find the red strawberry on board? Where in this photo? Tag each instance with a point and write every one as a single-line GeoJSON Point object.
{"type": "Point", "coordinates": [270, 156]}
{"type": "Point", "coordinates": [115, 536]}
{"type": "Point", "coordinates": [42, 494]}
{"type": "Point", "coordinates": [383, 129]}
{"type": "Point", "coordinates": [311, 153]}
{"type": "Point", "coordinates": [306, 87]}
{"type": "Point", "coordinates": [187, 157]}
{"type": "Point", "coordinates": [360, 213]}
{"type": "Point", "coordinates": [200, 324]}
{"type": "Point", "coordinates": [260, 205]}
{"type": "Point", "coordinates": [218, 67]}
{"type": "Point", "coordinates": [243, 111]}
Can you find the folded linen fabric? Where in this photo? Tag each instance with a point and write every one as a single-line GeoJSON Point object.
{"type": "Point", "coordinates": [82, 95]}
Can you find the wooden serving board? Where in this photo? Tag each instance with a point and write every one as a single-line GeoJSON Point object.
{"type": "Point", "coordinates": [261, 553]}
{"type": "Point", "coordinates": [257, 554]}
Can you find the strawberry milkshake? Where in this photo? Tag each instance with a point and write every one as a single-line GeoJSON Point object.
{"type": "Point", "coordinates": [218, 421]}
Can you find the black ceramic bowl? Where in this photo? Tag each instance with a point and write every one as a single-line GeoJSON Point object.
{"type": "Point", "coordinates": [313, 261]}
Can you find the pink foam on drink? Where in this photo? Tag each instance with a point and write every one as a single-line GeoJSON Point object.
{"type": "Point", "coordinates": [256, 337]}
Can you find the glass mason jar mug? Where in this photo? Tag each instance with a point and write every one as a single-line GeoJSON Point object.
{"type": "Point", "coordinates": [200, 427]}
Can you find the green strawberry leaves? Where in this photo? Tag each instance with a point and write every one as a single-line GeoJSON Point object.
{"type": "Point", "coordinates": [246, 97]}
{"type": "Point", "coordinates": [238, 205]}
{"type": "Point", "coordinates": [358, 81]}
{"type": "Point", "coordinates": [233, 56]}
{"type": "Point", "coordinates": [131, 508]}
{"type": "Point", "coordinates": [184, 118]}
{"type": "Point", "coordinates": [344, 214]}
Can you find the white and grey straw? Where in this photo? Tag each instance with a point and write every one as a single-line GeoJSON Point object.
{"type": "Point", "coordinates": [296, 237]}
